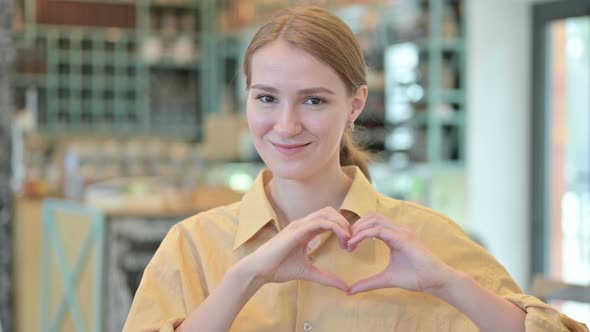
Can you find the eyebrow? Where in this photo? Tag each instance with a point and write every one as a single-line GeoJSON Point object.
{"type": "Point", "coordinates": [308, 91]}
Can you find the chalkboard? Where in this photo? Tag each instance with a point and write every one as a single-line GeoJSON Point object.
{"type": "Point", "coordinates": [131, 243]}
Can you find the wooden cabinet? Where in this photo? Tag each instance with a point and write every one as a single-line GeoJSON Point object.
{"type": "Point", "coordinates": [27, 230]}
{"type": "Point", "coordinates": [97, 259]}
{"type": "Point", "coordinates": [130, 244]}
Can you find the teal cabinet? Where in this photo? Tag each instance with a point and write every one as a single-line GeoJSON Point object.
{"type": "Point", "coordinates": [154, 78]}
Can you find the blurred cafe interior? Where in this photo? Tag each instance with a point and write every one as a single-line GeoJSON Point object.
{"type": "Point", "coordinates": [120, 118]}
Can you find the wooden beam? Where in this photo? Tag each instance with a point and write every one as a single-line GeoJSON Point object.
{"type": "Point", "coordinates": [547, 289]}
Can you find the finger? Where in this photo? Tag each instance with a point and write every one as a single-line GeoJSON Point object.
{"type": "Point", "coordinates": [314, 274]}
{"type": "Point", "coordinates": [396, 240]}
{"type": "Point", "coordinates": [331, 214]}
{"type": "Point", "coordinates": [371, 220]}
{"type": "Point", "coordinates": [377, 281]}
{"type": "Point", "coordinates": [374, 232]}
{"type": "Point", "coordinates": [320, 225]}
{"type": "Point", "coordinates": [367, 222]}
{"type": "Point", "coordinates": [362, 220]}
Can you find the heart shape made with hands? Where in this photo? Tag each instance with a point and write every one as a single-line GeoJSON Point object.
{"type": "Point", "coordinates": [352, 275]}
{"type": "Point", "coordinates": [409, 266]}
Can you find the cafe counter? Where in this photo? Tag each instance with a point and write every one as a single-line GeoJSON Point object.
{"type": "Point", "coordinates": [130, 234]}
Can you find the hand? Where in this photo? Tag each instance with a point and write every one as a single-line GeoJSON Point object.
{"type": "Point", "coordinates": [411, 265]}
{"type": "Point", "coordinates": [284, 257]}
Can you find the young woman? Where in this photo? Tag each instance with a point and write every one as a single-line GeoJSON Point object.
{"type": "Point", "coordinates": [312, 246]}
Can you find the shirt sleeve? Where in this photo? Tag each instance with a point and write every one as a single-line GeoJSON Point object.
{"type": "Point", "coordinates": [467, 256]}
{"type": "Point", "coordinates": [543, 317]}
{"type": "Point", "coordinates": [171, 285]}
{"type": "Point", "coordinates": [540, 316]}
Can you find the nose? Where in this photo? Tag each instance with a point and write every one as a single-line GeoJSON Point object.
{"type": "Point", "coordinates": [288, 123]}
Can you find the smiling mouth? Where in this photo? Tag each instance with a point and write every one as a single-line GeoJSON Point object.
{"type": "Point", "coordinates": [292, 146]}
{"type": "Point", "coordinates": [290, 149]}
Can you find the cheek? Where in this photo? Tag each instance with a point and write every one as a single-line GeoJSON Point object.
{"type": "Point", "coordinates": [258, 123]}
{"type": "Point", "coordinates": [329, 128]}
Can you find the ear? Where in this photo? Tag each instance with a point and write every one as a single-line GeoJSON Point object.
{"type": "Point", "coordinates": [358, 102]}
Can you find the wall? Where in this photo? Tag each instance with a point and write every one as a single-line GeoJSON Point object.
{"type": "Point", "coordinates": [498, 129]}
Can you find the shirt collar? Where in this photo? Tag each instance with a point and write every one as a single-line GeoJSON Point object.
{"type": "Point", "coordinates": [255, 210]}
{"type": "Point", "coordinates": [362, 196]}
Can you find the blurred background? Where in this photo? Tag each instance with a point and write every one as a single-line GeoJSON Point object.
{"type": "Point", "coordinates": [119, 118]}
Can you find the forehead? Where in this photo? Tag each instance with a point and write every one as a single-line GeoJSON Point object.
{"type": "Point", "coordinates": [284, 65]}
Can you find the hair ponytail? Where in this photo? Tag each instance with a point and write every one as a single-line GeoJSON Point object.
{"type": "Point", "coordinates": [353, 155]}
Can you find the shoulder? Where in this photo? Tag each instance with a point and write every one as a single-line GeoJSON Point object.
{"type": "Point", "coordinates": [220, 214]}
{"type": "Point", "coordinates": [209, 233]}
{"type": "Point", "coordinates": [418, 216]}
{"type": "Point", "coordinates": [446, 239]}
{"type": "Point", "coordinates": [203, 229]}
{"type": "Point", "coordinates": [223, 218]}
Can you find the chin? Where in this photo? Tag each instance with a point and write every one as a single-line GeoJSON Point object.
{"type": "Point", "coordinates": [293, 170]}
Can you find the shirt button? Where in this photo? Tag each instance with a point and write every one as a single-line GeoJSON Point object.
{"type": "Point", "coordinates": [307, 326]}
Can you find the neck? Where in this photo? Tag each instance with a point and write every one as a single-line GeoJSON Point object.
{"type": "Point", "coordinates": [326, 189]}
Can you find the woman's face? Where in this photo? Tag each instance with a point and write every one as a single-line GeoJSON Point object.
{"type": "Point", "coordinates": [297, 109]}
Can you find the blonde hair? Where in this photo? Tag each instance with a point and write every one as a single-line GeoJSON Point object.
{"type": "Point", "coordinates": [326, 37]}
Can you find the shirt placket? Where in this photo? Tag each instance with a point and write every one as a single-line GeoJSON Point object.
{"type": "Point", "coordinates": [307, 320]}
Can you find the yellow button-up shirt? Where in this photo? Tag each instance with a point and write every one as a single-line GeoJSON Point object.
{"type": "Point", "coordinates": [197, 252]}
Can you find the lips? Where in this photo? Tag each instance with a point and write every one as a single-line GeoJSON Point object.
{"type": "Point", "coordinates": [290, 149]}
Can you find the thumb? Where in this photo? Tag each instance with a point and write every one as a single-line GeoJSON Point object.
{"type": "Point", "coordinates": [318, 276]}
{"type": "Point", "coordinates": [375, 282]}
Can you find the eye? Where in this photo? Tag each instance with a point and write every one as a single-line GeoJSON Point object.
{"type": "Point", "coordinates": [266, 99]}
{"type": "Point", "coordinates": [314, 101]}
